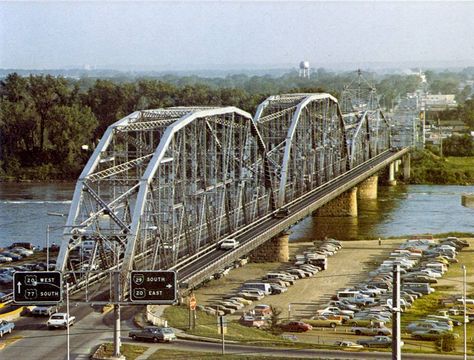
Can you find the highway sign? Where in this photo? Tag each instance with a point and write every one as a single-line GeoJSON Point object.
{"type": "Point", "coordinates": [153, 287]}
{"type": "Point", "coordinates": [37, 287]}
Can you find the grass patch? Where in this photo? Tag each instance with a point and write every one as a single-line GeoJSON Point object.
{"type": "Point", "coordinates": [426, 305]}
{"type": "Point", "coordinates": [131, 352]}
{"type": "Point", "coordinates": [176, 354]}
{"type": "Point", "coordinates": [206, 326]}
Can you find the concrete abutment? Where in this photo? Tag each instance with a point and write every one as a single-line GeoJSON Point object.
{"type": "Point", "coordinates": [367, 190]}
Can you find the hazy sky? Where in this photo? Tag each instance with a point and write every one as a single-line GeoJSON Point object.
{"type": "Point", "coordinates": [181, 35]}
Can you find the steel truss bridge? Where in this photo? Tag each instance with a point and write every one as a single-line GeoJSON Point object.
{"type": "Point", "coordinates": [164, 187]}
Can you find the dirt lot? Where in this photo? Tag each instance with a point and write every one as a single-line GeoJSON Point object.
{"type": "Point", "coordinates": [350, 265]}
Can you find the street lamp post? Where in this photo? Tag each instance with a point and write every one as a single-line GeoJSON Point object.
{"type": "Point", "coordinates": [67, 323]}
{"type": "Point", "coordinates": [464, 310]}
{"type": "Point", "coordinates": [47, 248]}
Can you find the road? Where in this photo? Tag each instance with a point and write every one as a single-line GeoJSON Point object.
{"type": "Point", "coordinates": [195, 346]}
{"type": "Point", "coordinates": [91, 328]}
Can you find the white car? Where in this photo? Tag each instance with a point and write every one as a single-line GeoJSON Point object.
{"type": "Point", "coordinates": [60, 320]}
{"type": "Point", "coordinates": [229, 244]}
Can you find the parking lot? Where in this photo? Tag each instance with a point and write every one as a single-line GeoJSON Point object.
{"type": "Point", "coordinates": [310, 294]}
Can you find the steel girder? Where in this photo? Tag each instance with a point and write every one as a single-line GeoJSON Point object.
{"type": "Point", "coordinates": [305, 135]}
{"type": "Point", "coordinates": [369, 137]}
{"type": "Point", "coordinates": [166, 183]}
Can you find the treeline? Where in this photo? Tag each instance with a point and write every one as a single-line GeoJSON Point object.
{"type": "Point", "coordinates": [429, 168]}
{"type": "Point", "coordinates": [46, 120]}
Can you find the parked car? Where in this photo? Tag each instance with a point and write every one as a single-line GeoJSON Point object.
{"type": "Point", "coordinates": [251, 294]}
{"type": "Point", "coordinates": [60, 320]}
{"type": "Point", "coordinates": [277, 289]}
{"type": "Point", "coordinates": [13, 256]}
{"type": "Point", "coordinates": [295, 326]}
{"type": "Point", "coordinates": [378, 341]}
{"type": "Point", "coordinates": [263, 310]}
{"type": "Point", "coordinates": [252, 321]}
{"type": "Point", "coordinates": [430, 334]}
{"type": "Point", "coordinates": [348, 345]}
{"type": "Point", "coordinates": [5, 259]}
{"type": "Point", "coordinates": [153, 333]}
{"type": "Point", "coordinates": [324, 321]}
{"type": "Point", "coordinates": [371, 330]}
{"type": "Point", "coordinates": [6, 327]}
{"type": "Point", "coordinates": [43, 310]}
{"type": "Point", "coordinates": [425, 326]}
{"type": "Point", "coordinates": [229, 244]}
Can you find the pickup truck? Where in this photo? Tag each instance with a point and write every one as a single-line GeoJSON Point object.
{"type": "Point", "coordinates": [6, 327]}
{"type": "Point", "coordinates": [60, 320]}
{"type": "Point", "coordinates": [371, 330]}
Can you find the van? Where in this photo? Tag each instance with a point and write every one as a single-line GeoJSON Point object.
{"type": "Point", "coordinates": [264, 287]}
{"type": "Point", "coordinates": [422, 288]}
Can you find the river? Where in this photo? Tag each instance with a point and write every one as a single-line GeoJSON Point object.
{"type": "Point", "coordinates": [25, 212]}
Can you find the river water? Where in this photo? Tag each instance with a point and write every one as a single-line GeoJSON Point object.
{"type": "Point", "coordinates": [25, 212]}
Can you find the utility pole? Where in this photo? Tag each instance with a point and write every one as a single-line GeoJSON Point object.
{"type": "Point", "coordinates": [396, 338]}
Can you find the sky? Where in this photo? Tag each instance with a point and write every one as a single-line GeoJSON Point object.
{"type": "Point", "coordinates": [203, 34]}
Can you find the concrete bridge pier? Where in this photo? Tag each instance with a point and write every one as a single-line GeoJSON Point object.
{"type": "Point", "coordinates": [391, 175]}
{"type": "Point", "coordinates": [344, 205]}
{"type": "Point", "coordinates": [274, 250]}
{"type": "Point", "coordinates": [367, 190]}
{"type": "Point", "coordinates": [406, 160]}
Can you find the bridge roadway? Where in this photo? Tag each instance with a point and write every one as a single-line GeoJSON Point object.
{"type": "Point", "coordinates": [195, 270]}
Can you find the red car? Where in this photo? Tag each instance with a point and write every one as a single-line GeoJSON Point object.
{"type": "Point", "coordinates": [295, 326]}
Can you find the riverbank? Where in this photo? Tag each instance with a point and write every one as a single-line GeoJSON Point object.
{"type": "Point", "coordinates": [430, 169]}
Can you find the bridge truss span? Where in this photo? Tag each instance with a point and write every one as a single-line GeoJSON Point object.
{"type": "Point", "coordinates": [162, 185]}
{"type": "Point", "coordinates": [306, 137]}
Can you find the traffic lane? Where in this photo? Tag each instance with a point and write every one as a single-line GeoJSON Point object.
{"type": "Point", "coordinates": [235, 349]}
{"type": "Point", "coordinates": [30, 322]}
{"type": "Point", "coordinates": [52, 344]}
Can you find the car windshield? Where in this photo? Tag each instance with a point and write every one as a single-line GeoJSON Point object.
{"type": "Point", "coordinates": [167, 331]}
{"type": "Point", "coordinates": [57, 317]}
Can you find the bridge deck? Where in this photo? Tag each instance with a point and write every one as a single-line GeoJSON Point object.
{"type": "Point", "coordinates": [195, 271]}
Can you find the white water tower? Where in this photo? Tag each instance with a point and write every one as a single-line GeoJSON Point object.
{"type": "Point", "coordinates": [304, 69]}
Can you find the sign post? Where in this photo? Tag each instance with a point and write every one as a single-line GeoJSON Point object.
{"type": "Point", "coordinates": [37, 287]}
{"type": "Point", "coordinates": [153, 287]}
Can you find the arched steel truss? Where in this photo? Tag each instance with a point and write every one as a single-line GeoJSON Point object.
{"type": "Point", "coordinates": [166, 183]}
{"type": "Point", "coordinates": [368, 137]}
{"type": "Point", "coordinates": [305, 135]}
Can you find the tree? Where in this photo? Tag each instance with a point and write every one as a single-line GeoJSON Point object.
{"type": "Point", "coordinates": [274, 320]}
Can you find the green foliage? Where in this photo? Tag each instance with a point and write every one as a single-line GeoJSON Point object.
{"type": "Point", "coordinates": [428, 168]}
{"type": "Point", "coordinates": [458, 146]}
{"type": "Point", "coordinates": [274, 320]}
{"type": "Point", "coordinates": [447, 342]}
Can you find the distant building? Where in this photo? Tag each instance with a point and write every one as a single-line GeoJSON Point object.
{"type": "Point", "coordinates": [439, 102]}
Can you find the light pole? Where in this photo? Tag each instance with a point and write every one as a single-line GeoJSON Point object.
{"type": "Point", "coordinates": [464, 310]}
{"type": "Point", "coordinates": [67, 323]}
